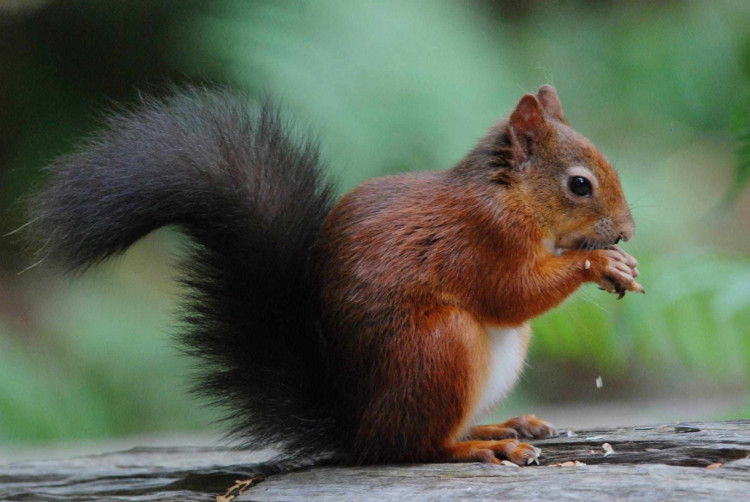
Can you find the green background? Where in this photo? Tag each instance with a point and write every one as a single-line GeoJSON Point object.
{"type": "Point", "coordinates": [391, 86]}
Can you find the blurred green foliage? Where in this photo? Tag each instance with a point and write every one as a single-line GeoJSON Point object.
{"type": "Point", "coordinates": [662, 88]}
{"type": "Point", "coordinates": [741, 127]}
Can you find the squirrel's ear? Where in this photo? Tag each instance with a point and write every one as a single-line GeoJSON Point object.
{"type": "Point", "coordinates": [551, 103]}
{"type": "Point", "coordinates": [527, 127]}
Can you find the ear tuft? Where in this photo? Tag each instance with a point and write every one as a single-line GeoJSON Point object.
{"type": "Point", "coordinates": [526, 120]}
{"type": "Point", "coordinates": [528, 126]}
{"type": "Point", "coordinates": [551, 102]}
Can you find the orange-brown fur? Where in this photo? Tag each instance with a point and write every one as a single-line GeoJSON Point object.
{"type": "Point", "coordinates": [412, 268]}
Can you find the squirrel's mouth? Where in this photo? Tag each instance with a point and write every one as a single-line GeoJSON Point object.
{"type": "Point", "coordinates": [583, 242]}
{"type": "Point", "coordinates": [593, 244]}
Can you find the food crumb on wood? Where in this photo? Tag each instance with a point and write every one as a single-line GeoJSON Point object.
{"type": "Point", "coordinates": [238, 488]}
{"type": "Point", "coordinates": [569, 463]}
{"type": "Point", "coordinates": [608, 450]}
{"type": "Point", "coordinates": [715, 465]}
{"type": "Point", "coordinates": [508, 463]}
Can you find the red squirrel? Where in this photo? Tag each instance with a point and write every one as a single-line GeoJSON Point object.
{"type": "Point", "coordinates": [379, 328]}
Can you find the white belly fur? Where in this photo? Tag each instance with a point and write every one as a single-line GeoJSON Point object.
{"type": "Point", "coordinates": [507, 351]}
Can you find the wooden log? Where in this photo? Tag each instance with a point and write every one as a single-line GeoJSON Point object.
{"type": "Point", "coordinates": [663, 462]}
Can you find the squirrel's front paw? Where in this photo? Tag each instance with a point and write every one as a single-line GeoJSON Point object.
{"type": "Point", "coordinates": [616, 271]}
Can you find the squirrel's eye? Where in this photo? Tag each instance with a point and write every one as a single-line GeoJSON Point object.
{"type": "Point", "coordinates": [580, 186]}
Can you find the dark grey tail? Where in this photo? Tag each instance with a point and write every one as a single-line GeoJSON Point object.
{"type": "Point", "coordinates": [252, 200]}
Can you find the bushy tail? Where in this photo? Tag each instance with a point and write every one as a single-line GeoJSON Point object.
{"type": "Point", "coordinates": [253, 201]}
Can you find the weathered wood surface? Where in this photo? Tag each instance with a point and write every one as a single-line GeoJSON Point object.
{"type": "Point", "coordinates": [658, 463]}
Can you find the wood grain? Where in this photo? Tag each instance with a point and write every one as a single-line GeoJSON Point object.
{"type": "Point", "coordinates": [664, 462]}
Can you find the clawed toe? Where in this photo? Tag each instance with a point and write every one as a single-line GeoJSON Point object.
{"type": "Point", "coordinates": [524, 454]}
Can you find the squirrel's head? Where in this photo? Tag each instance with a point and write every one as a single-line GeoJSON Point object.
{"type": "Point", "coordinates": [559, 176]}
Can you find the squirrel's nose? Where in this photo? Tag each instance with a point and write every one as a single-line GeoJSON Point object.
{"type": "Point", "coordinates": [625, 223]}
{"type": "Point", "coordinates": [627, 230]}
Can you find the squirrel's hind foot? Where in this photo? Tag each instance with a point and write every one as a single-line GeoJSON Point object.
{"type": "Point", "coordinates": [524, 426]}
{"type": "Point", "coordinates": [494, 452]}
